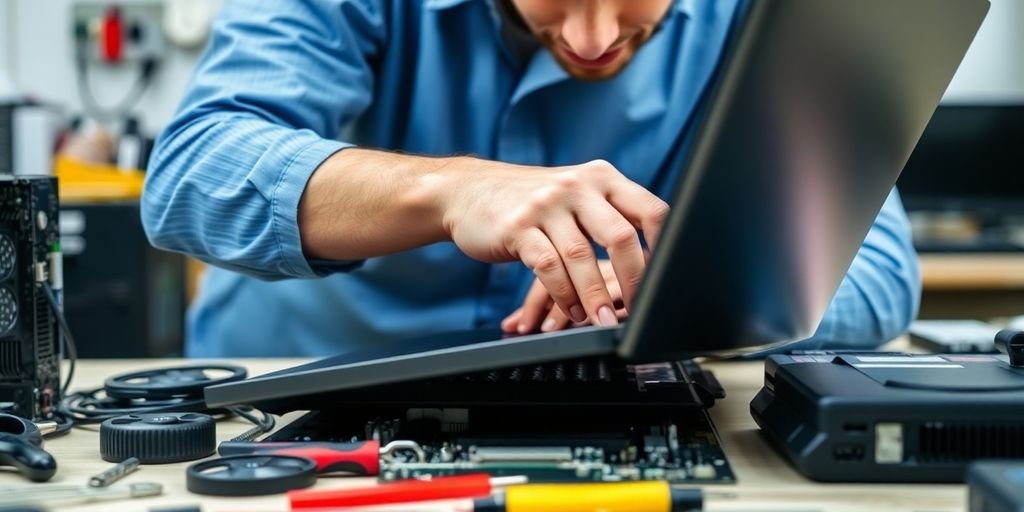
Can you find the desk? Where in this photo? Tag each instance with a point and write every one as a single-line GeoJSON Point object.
{"type": "Point", "coordinates": [979, 286]}
{"type": "Point", "coordinates": [766, 482]}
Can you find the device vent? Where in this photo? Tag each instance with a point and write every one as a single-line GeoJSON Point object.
{"type": "Point", "coordinates": [10, 359]}
{"type": "Point", "coordinates": [957, 442]}
{"type": "Point", "coordinates": [44, 329]}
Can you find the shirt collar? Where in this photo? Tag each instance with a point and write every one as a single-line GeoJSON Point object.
{"type": "Point", "coordinates": [439, 5]}
{"type": "Point", "coordinates": [682, 6]}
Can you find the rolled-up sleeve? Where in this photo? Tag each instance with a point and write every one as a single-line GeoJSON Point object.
{"type": "Point", "coordinates": [263, 110]}
{"type": "Point", "coordinates": [880, 294]}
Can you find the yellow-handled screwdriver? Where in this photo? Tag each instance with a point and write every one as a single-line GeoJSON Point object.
{"type": "Point", "coordinates": [647, 496]}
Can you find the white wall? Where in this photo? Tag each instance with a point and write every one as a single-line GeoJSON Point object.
{"type": "Point", "coordinates": [41, 60]}
{"type": "Point", "coordinates": [43, 64]}
{"type": "Point", "coordinates": [993, 70]}
{"type": "Point", "coordinates": [6, 47]}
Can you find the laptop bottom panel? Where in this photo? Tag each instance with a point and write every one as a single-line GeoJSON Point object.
{"type": "Point", "coordinates": [602, 382]}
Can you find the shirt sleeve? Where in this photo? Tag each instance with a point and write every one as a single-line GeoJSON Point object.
{"type": "Point", "coordinates": [880, 294]}
{"type": "Point", "coordinates": [264, 108]}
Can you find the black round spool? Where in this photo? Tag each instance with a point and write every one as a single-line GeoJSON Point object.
{"type": "Point", "coordinates": [167, 383]}
{"type": "Point", "coordinates": [250, 475]}
{"type": "Point", "coordinates": [158, 438]}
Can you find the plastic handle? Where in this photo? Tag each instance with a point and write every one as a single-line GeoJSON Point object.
{"type": "Point", "coordinates": [30, 460]}
{"type": "Point", "coordinates": [358, 459]}
{"type": "Point", "coordinates": [443, 488]}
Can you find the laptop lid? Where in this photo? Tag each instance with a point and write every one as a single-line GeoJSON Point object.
{"type": "Point", "coordinates": [810, 121]}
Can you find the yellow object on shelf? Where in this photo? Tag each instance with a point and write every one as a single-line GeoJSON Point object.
{"type": "Point", "coordinates": [85, 181]}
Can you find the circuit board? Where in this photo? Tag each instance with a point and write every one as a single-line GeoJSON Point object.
{"type": "Point", "coordinates": [545, 445]}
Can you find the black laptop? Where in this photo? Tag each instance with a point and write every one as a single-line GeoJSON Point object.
{"type": "Point", "coordinates": [808, 121]}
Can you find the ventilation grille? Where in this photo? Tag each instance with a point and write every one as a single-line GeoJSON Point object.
{"type": "Point", "coordinates": [44, 330]}
{"type": "Point", "coordinates": [10, 359]}
{"type": "Point", "coordinates": [959, 442]}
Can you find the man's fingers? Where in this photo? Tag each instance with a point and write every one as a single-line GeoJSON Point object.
{"type": "Point", "coordinates": [640, 207]}
{"type": "Point", "coordinates": [555, 321]}
{"type": "Point", "coordinates": [581, 264]}
{"type": "Point", "coordinates": [538, 253]}
{"type": "Point", "coordinates": [535, 307]}
{"type": "Point", "coordinates": [618, 236]}
{"type": "Point", "coordinates": [511, 322]}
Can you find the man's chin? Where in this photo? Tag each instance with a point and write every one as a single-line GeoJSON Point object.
{"type": "Point", "coordinates": [593, 74]}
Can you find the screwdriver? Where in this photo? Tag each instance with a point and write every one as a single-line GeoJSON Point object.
{"type": "Point", "coordinates": [356, 458]}
{"type": "Point", "coordinates": [475, 485]}
{"type": "Point", "coordinates": [645, 496]}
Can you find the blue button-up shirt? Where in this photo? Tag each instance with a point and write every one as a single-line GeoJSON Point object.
{"type": "Point", "coordinates": [284, 85]}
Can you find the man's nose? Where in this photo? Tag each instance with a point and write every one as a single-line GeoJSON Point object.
{"type": "Point", "coordinates": [592, 30]}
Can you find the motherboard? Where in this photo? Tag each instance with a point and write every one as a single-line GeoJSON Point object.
{"type": "Point", "coordinates": [544, 445]}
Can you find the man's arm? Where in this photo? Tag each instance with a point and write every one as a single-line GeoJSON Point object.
{"type": "Point", "coordinates": [247, 177]}
{"type": "Point", "coordinates": [260, 114]}
{"type": "Point", "coordinates": [881, 292]}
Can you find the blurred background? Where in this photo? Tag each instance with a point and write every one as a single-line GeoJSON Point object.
{"type": "Point", "coordinates": [85, 86]}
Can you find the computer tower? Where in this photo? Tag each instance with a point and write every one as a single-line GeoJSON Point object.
{"type": "Point", "coordinates": [123, 298]}
{"type": "Point", "coordinates": [29, 340]}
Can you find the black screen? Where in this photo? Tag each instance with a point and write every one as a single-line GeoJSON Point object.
{"type": "Point", "coordinates": [970, 158]}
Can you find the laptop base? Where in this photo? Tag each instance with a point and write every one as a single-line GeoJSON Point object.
{"type": "Point", "coordinates": [591, 419]}
{"type": "Point", "coordinates": [569, 445]}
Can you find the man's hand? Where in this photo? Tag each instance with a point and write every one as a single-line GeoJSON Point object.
{"type": "Point", "coordinates": [547, 217]}
{"type": "Point", "coordinates": [538, 306]}
{"type": "Point", "coordinates": [363, 203]}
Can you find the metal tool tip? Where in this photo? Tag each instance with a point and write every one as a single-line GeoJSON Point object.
{"type": "Point", "coordinates": [144, 489]}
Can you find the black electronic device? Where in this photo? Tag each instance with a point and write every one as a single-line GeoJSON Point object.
{"type": "Point", "coordinates": [581, 421]}
{"type": "Point", "coordinates": [996, 486]}
{"type": "Point", "coordinates": [890, 417]}
{"type": "Point", "coordinates": [963, 185]}
{"type": "Point", "coordinates": [250, 475]}
{"type": "Point", "coordinates": [158, 438]}
{"type": "Point", "coordinates": [30, 348]}
{"type": "Point", "coordinates": [968, 160]}
{"type": "Point", "coordinates": [124, 298]}
{"type": "Point", "coordinates": [576, 444]}
{"type": "Point", "coordinates": [739, 261]}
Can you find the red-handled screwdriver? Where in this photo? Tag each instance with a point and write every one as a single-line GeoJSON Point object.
{"type": "Point", "coordinates": [475, 485]}
{"type": "Point", "coordinates": [357, 459]}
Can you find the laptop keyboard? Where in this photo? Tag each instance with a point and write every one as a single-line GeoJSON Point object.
{"type": "Point", "coordinates": [593, 371]}
{"type": "Point", "coordinates": [582, 371]}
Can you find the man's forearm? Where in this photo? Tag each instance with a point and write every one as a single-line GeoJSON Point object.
{"type": "Point", "coordinates": [363, 203]}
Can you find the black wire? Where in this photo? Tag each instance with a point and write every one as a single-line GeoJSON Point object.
{"type": "Point", "coordinates": [64, 425]}
{"type": "Point", "coordinates": [69, 341]}
{"type": "Point", "coordinates": [266, 422]}
{"type": "Point", "coordinates": [116, 112]}
{"type": "Point", "coordinates": [87, 407]}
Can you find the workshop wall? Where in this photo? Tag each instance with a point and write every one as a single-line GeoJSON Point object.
{"type": "Point", "coordinates": [38, 31]}
{"type": "Point", "coordinates": [41, 32]}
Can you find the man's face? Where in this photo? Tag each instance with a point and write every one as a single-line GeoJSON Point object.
{"type": "Point", "coordinates": [592, 39]}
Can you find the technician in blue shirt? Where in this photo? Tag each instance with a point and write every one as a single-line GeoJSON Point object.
{"type": "Point", "coordinates": [543, 126]}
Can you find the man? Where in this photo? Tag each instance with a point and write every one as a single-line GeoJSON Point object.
{"type": "Point", "coordinates": [574, 112]}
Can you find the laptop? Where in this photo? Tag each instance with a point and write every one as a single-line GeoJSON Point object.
{"type": "Point", "coordinates": [812, 113]}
